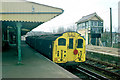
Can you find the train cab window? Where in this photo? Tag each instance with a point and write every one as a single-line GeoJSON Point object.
{"type": "Point", "coordinates": [80, 43]}
{"type": "Point", "coordinates": [61, 42]}
{"type": "Point", "coordinates": [70, 43]}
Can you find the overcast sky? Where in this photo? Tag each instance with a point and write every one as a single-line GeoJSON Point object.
{"type": "Point", "coordinates": [75, 9]}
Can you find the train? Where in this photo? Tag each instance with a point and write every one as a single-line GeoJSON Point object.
{"type": "Point", "coordinates": [65, 49]}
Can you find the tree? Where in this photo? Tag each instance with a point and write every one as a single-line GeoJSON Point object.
{"type": "Point", "coordinates": [71, 28]}
{"type": "Point", "coordinates": [60, 30]}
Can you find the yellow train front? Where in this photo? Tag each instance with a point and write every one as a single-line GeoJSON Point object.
{"type": "Point", "coordinates": [66, 49]}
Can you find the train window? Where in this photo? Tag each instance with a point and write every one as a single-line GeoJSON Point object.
{"type": "Point", "coordinates": [71, 43]}
{"type": "Point", "coordinates": [61, 42]}
{"type": "Point", "coordinates": [80, 43]}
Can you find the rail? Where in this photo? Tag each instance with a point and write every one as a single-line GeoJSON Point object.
{"type": "Point", "coordinates": [105, 68]}
{"type": "Point", "coordinates": [91, 74]}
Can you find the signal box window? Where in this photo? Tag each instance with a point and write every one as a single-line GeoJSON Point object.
{"type": "Point", "coordinates": [62, 42]}
{"type": "Point", "coordinates": [80, 43]}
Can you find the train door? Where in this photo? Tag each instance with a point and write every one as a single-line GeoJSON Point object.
{"type": "Point", "coordinates": [80, 47]}
{"type": "Point", "coordinates": [70, 48]}
{"type": "Point", "coordinates": [61, 50]}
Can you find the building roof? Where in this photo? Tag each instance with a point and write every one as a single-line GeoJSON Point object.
{"type": "Point", "coordinates": [88, 17]}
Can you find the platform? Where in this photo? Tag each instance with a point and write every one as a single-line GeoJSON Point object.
{"type": "Point", "coordinates": [103, 50]}
{"type": "Point", "coordinates": [34, 65]}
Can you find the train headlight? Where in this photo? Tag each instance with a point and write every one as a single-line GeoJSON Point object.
{"type": "Point", "coordinates": [75, 51]}
{"type": "Point", "coordinates": [58, 59]}
{"type": "Point", "coordinates": [63, 59]}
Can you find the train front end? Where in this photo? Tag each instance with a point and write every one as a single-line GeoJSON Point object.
{"type": "Point", "coordinates": [70, 47]}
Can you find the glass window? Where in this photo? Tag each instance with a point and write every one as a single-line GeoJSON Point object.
{"type": "Point", "coordinates": [91, 23]}
{"type": "Point", "coordinates": [70, 43]}
{"type": "Point", "coordinates": [86, 24]}
{"type": "Point", "coordinates": [83, 24]}
{"type": "Point", "coordinates": [100, 23]}
{"type": "Point", "coordinates": [61, 42]}
{"type": "Point", "coordinates": [80, 25]}
{"type": "Point", "coordinates": [80, 43]}
{"type": "Point", "coordinates": [95, 23]}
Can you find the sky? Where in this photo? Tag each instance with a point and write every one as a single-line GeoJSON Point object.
{"type": "Point", "coordinates": [75, 9]}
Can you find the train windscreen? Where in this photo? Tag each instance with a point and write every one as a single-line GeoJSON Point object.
{"type": "Point", "coordinates": [61, 42]}
{"type": "Point", "coordinates": [80, 43]}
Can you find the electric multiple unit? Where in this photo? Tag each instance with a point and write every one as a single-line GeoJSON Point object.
{"type": "Point", "coordinates": [65, 48]}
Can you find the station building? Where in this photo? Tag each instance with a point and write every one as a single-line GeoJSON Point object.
{"type": "Point", "coordinates": [91, 28]}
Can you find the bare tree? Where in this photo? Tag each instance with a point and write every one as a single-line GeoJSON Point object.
{"type": "Point", "coordinates": [68, 29]}
{"type": "Point", "coordinates": [54, 31]}
{"type": "Point", "coordinates": [60, 30]}
{"type": "Point", "coordinates": [71, 28]}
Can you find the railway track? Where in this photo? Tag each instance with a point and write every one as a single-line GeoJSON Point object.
{"type": "Point", "coordinates": [86, 74]}
{"type": "Point", "coordinates": [103, 63]}
{"type": "Point", "coordinates": [110, 70]}
{"type": "Point", "coordinates": [94, 69]}
{"type": "Point", "coordinates": [91, 74]}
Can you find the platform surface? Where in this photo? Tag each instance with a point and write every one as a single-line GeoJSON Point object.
{"type": "Point", "coordinates": [34, 65]}
{"type": "Point", "coordinates": [104, 50]}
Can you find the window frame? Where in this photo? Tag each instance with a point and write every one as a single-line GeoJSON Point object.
{"type": "Point", "coordinates": [70, 43]}
{"type": "Point", "coordinates": [64, 43]}
{"type": "Point", "coordinates": [81, 45]}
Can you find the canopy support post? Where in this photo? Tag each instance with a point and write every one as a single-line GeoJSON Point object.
{"type": "Point", "coordinates": [19, 25]}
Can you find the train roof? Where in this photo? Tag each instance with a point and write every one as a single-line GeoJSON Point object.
{"type": "Point", "coordinates": [52, 36]}
{"type": "Point", "coordinates": [56, 34]}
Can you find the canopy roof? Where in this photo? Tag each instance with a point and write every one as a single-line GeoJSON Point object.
{"type": "Point", "coordinates": [30, 14]}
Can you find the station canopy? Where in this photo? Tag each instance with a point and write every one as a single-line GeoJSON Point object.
{"type": "Point", "coordinates": [29, 14]}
